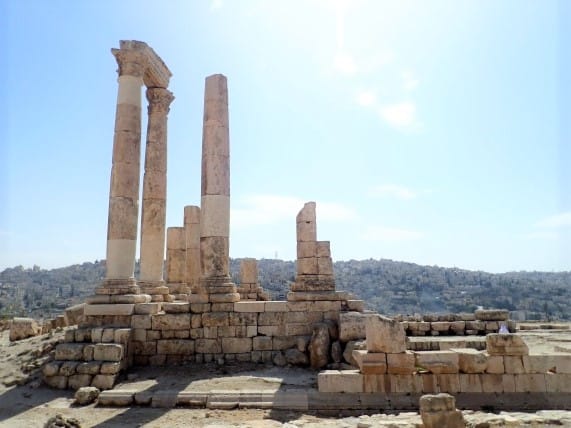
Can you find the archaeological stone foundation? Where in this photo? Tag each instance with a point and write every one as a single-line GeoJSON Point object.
{"type": "Point", "coordinates": [196, 314]}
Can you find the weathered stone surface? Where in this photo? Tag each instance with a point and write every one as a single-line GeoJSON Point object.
{"type": "Point", "coordinates": [171, 322]}
{"type": "Point", "coordinates": [350, 347]}
{"type": "Point", "coordinates": [69, 351]}
{"type": "Point", "coordinates": [296, 357]}
{"type": "Point", "coordinates": [104, 381]}
{"type": "Point", "coordinates": [492, 314]}
{"type": "Point", "coordinates": [175, 346]}
{"type": "Point", "coordinates": [235, 345]}
{"type": "Point", "coordinates": [208, 346]}
{"type": "Point", "coordinates": [108, 352]}
{"type": "Point", "coordinates": [401, 364]}
{"type": "Point", "coordinates": [506, 344]}
{"type": "Point", "coordinates": [352, 326]}
{"type": "Point", "coordinates": [438, 411]}
{"type": "Point", "coordinates": [319, 346]}
{"type": "Point", "coordinates": [336, 352]}
{"type": "Point", "coordinates": [437, 362]}
{"type": "Point", "coordinates": [51, 368]}
{"type": "Point", "coordinates": [471, 360]}
{"type": "Point", "coordinates": [57, 382]}
{"type": "Point", "coordinates": [68, 368]}
{"type": "Point", "coordinates": [74, 314]}
{"type": "Point", "coordinates": [110, 309]}
{"type": "Point", "coordinates": [86, 395]}
{"type": "Point", "coordinates": [384, 335]}
{"type": "Point", "coordinates": [77, 381]}
{"type": "Point", "coordinates": [22, 328]}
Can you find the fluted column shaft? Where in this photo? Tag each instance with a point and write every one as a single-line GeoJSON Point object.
{"type": "Point", "coordinates": [124, 191]}
{"type": "Point", "coordinates": [153, 217]}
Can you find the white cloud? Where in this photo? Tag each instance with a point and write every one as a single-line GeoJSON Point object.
{"type": "Point", "coordinates": [542, 236]}
{"type": "Point", "coordinates": [379, 233]}
{"type": "Point", "coordinates": [555, 221]}
{"type": "Point", "coordinates": [400, 115]}
{"type": "Point", "coordinates": [409, 81]}
{"type": "Point", "coordinates": [344, 63]}
{"type": "Point", "coordinates": [393, 190]}
{"type": "Point", "coordinates": [366, 98]}
{"type": "Point", "coordinates": [215, 4]}
{"type": "Point", "coordinates": [271, 209]}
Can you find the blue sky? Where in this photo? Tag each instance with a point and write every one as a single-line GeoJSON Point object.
{"type": "Point", "coordinates": [431, 132]}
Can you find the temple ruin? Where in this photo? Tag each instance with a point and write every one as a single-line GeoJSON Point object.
{"type": "Point", "coordinates": [196, 314]}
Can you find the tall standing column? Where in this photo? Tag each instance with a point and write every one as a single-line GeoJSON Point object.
{"type": "Point", "coordinates": [153, 218]}
{"type": "Point", "coordinates": [215, 200]}
{"type": "Point", "coordinates": [192, 232]}
{"type": "Point", "coordinates": [124, 192]}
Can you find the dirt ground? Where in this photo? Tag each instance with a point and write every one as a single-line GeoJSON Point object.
{"type": "Point", "coordinates": [25, 402]}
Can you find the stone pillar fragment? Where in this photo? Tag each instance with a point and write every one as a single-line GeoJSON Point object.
{"type": "Point", "coordinates": [176, 260]}
{"type": "Point", "coordinates": [215, 194]}
{"type": "Point", "coordinates": [314, 263]}
{"type": "Point", "coordinates": [124, 191]}
{"type": "Point", "coordinates": [249, 287]}
{"type": "Point", "coordinates": [153, 217]}
{"type": "Point", "coordinates": [192, 233]}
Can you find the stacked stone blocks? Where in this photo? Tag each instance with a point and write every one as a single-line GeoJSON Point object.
{"type": "Point", "coordinates": [249, 288]}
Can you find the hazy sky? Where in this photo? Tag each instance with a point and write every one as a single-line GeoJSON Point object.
{"type": "Point", "coordinates": [435, 132]}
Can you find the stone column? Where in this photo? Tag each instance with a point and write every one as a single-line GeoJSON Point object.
{"type": "Point", "coordinates": [176, 260]}
{"type": "Point", "coordinates": [215, 191]}
{"type": "Point", "coordinates": [124, 192]}
{"type": "Point", "coordinates": [192, 232]}
{"type": "Point", "coordinates": [153, 217]}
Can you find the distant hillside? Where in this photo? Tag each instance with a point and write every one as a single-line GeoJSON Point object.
{"type": "Point", "coordinates": [386, 286]}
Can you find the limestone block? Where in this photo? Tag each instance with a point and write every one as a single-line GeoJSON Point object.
{"type": "Point", "coordinates": [375, 383]}
{"type": "Point", "coordinates": [307, 266]}
{"type": "Point", "coordinates": [68, 368]}
{"type": "Point", "coordinates": [323, 249]}
{"type": "Point", "coordinates": [495, 364]}
{"type": "Point", "coordinates": [384, 335]}
{"type": "Point", "coordinates": [558, 382]}
{"type": "Point", "coordinates": [208, 346]}
{"type": "Point", "coordinates": [506, 344]}
{"type": "Point", "coordinates": [271, 318]}
{"type": "Point", "coordinates": [356, 305]}
{"type": "Point", "coordinates": [449, 383]}
{"type": "Point", "coordinates": [140, 322]}
{"type": "Point", "coordinates": [74, 314]}
{"type": "Point", "coordinates": [215, 176]}
{"type": "Point", "coordinates": [108, 335]}
{"type": "Point", "coordinates": [492, 383]}
{"type": "Point", "coordinates": [88, 352]}
{"type": "Point", "coordinates": [176, 307]}
{"type": "Point", "coordinates": [530, 383]}
{"type": "Point", "coordinates": [492, 314]}
{"type": "Point", "coordinates": [475, 325]}
{"type": "Point", "coordinates": [147, 308]}
{"type": "Point", "coordinates": [104, 381]}
{"type": "Point", "coordinates": [124, 180]}
{"type": "Point", "coordinates": [170, 322]}
{"type": "Point", "coordinates": [458, 327]}
{"type": "Point", "coordinates": [264, 343]}
{"type": "Point", "coordinates": [275, 306]}
{"type": "Point", "coordinates": [352, 326]}
{"type": "Point", "coordinates": [127, 148]}
{"type": "Point", "coordinates": [90, 368]}
{"type": "Point", "coordinates": [306, 249]}
{"type": "Point", "coordinates": [471, 360]}
{"type": "Point", "coordinates": [272, 330]}
{"type": "Point", "coordinates": [250, 306]}
{"type": "Point", "coordinates": [227, 331]}
{"type": "Point", "coordinates": [214, 256]}
{"type": "Point", "coordinates": [110, 309]}
{"type": "Point", "coordinates": [508, 383]}
{"type": "Point", "coordinates": [324, 266]}
{"type": "Point", "coordinates": [401, 364]}
{"type": "Point", "coordinates": [437, 362]}
{"type": "Point", "coordinates": [215, 319]}
{"type": "Point", "coordinates": [298, 329]}
{"type": "Point", "coordinates": [69, 351]}
{"type": "Point", "coordinates": [215, 219]}
{"type": "Point", "coordinates": [108, 352]}
{"type": "Point", "coordinates": [327, 305]}
{"type": "Point", "coordinates": [348, 381]}
{"type": "Point", "coordinates": [439, 411]}
{"type": "Point", "coordinates": [110, 367]}
{"type": "Point", "coordinates": [513, 365]}
{"type": "Point", "coordinates": [370, 363]}
{"type": "Point", "coordinates": [492, 326]}
{"type": "Point", "coordinates": [248, 271]}
{"type": "Point", "coordinates": [470, 382]}
{"type": "Point", "coordinates": [306, 231]}
{"type": "Point", "coordinates": [554, 363]}
{"type": "Point", "coordinates": [79, 381]}
{"type": "Point", "coordinates": [175, 346]}
{"type": "Point", "coordinates": [319, 346]}
{"type": "Point", "coordinates": [235, 345]}
{"type": "Point", "coordinates": [122, 223]}
{"type": "Point", "coordinates": [82, 335]}
{"type": "Point", "coordinates": [51, 368]}
{"type": "Point", "coordinates": [307, 214]}
{"type": "Point", "coordinates": [217, 136]}
{"type": "Point", "coordinates": [57, 382]}
{"type": "Point", "coordinates": [440, 326]}
{"type": "Point", "coordinates": [303, 317]}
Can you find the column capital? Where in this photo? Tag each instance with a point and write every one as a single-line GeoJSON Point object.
{"type": "Point", "coordinates": [132, 62]}
{"type": "Point", "coordinates": [159, 100]}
